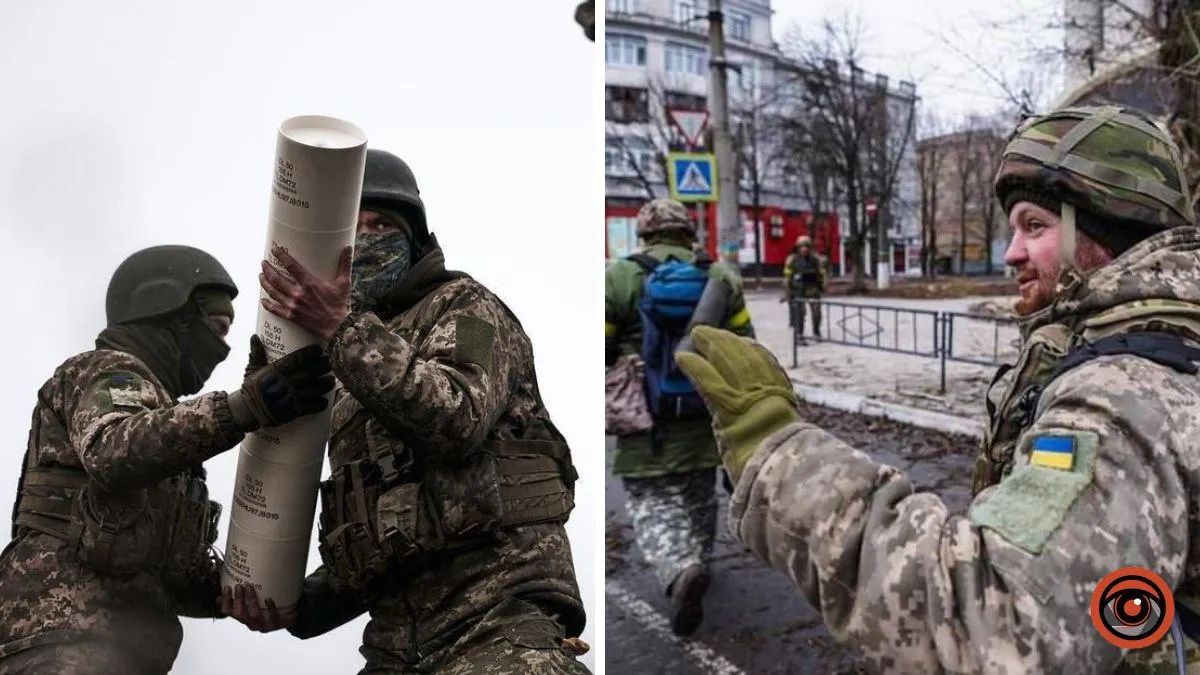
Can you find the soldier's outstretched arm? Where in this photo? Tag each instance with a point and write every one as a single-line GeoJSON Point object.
{"type": "Point", "coordinates": [128, 435]}
{"type": "Point", "coordinates": [325, 604]}
{"type": "Point", "coordinates": [443, 395]}
{"type": "Point", "coordinates": [1005, 588]}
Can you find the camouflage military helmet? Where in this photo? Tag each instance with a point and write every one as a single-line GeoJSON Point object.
{"type": "Point", "coordinates": [662, 215]}
{"type": "Point", "coordinates": [1112, 162]}
{"type": "Point", "coordinates": [159, 280]}
{"type": "Point", "coordinates": [388, 182]}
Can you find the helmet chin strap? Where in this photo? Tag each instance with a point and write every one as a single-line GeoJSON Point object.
{"type": "Point", "coordinates": [1067, 237]}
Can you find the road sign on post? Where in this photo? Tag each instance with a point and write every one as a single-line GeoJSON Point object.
{"type": "Point", "coordinates": [692, 177]}
{"type": "Point", "coordinates": [690, 123]}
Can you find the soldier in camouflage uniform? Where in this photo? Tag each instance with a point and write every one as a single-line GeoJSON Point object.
{"type": "Point", "coordinates": [669, 473]}
{"type": "Point", "coordinates": [113, 527]}
{"type": "Point", "coordinates": [1090, 459]}
{"type": "Point", "coordinates": [444, 515]}
{"type": "Point", "coordinates": [804, 281]}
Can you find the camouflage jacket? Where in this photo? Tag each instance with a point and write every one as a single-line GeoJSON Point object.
{"type": "Point", "coordinates": [1005, 588]}
{"type": "Point", "coordinates": [439, 380]}
{"type": "Point", "coordinates": [686, 445]}
{"type": "Point", "coordinates": [104, 413]}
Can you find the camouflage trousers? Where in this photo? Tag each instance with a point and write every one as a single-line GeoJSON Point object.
{"type": "Point", "coordinates": [513, 638]}
{"type": "Point", "coordinates": [674, 520]}
{"type": "Point", "coordinates": [90, 657]}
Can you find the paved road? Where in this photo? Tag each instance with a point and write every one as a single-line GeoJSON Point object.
{"type": "Point", "coordinates": [755, 621]}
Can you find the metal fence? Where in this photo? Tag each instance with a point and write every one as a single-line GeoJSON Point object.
{"type": "Point", "coordinates": [945, 336]}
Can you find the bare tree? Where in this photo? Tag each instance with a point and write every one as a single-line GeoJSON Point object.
{"type": "Point", "coordinates": [1141, 53]}
{"type": "Point", "coordinates": [931, 156]}
{"type": "Point", "coordinates": [637, 127]}
{"type": "Point", "coordinates": [987, 149]}
{"type": "Point", "coordinates": [755, 128]}
{"type": "Point", "coordinates": [856, 130]}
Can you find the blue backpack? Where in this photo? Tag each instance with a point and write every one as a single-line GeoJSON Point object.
{"type": "Point", "coordinates": [670, 293]}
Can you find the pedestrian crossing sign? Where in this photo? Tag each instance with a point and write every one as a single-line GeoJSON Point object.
{"type": "Point", "coordinates": [692, 176]}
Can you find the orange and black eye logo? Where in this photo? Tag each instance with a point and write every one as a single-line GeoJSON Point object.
{"type": "Point", "coordinates": [1132, 608]}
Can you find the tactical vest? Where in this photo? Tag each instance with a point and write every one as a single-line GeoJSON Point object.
{"type": "Point", "coordinates": [387, 508]}
{"type": "Point", "coordinates": [167, 530]}
{"type": "Point", "coordinates": [806, 271]}
{"type": "Point", "coordinates": [1050, 351]}
{"type": "Point", "coordinates": [1042, 359]}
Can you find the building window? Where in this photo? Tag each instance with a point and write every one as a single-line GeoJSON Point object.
{"type": "Point", "coordinates": [626, 104]}
{"type": "Point", "coordinates": [627, 156]}
{"type": "Point", "coordinates": [688, 11]}
{"type": "Point", "coordinates": [621, 6]}
{"type": "Point", "coordinates": [675, 99]}
{"type": "Point", "coordinates": [739, 26]}
{"type": "Point", "coordinates": [685, 59]}
{"type": "Point", "coordinates": [624, 50]}
{"type": "Point", "coordinates": [747, 76]}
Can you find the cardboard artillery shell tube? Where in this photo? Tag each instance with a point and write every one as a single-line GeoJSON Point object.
{"type": "Point", "coordinates": [273, 498]}
{"type": "Point", "coordinates": [271, 566]}
{"type": "Point", "coordinates": [318, 174]}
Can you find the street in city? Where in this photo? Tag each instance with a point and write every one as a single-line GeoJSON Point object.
{"type": "Point", "coordinates": [755, 620]}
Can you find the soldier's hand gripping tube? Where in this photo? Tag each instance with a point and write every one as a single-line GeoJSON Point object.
{"type": "Point", "coordinates": [279, 392]}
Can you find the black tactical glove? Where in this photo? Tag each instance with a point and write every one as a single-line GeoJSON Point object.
{"type": "Point", "coordinates": [279, 392]}
{"type": "Point", "coordinates": [258, 356]}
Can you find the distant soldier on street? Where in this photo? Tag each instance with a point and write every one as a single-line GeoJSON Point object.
{"type": "Point", "coordinates": [1091, 458]}
{"type": "Point", "coordinates": [804, 281]}
{"type": "Point", "coordinates": [668, 469]}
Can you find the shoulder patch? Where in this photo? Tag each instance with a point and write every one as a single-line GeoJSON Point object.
{"type": "Point", "coordinates": [473, 340]}
{"type": "Point", "coordinates": [1029, 505]}
{"type": "Point", "coordinates": [124, 390]}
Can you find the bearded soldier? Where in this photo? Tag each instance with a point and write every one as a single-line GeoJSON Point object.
{"type": "Point", "coordinates": [113, 528]}
{"type": "Point", "coordinates": [1091, 457]}
{"type": "Point", "coordinates": [450, 485]}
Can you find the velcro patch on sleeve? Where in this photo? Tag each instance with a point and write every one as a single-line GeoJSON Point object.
{"type": "Point", "coordinates": [1030, 504]}
{"type": "Point", "coordinates": [124, 390]}
{"type": "Point", "coordinates": [473, 340]}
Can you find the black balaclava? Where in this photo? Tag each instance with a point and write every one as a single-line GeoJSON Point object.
{"type": "Point", "coordinates": [180, 348]}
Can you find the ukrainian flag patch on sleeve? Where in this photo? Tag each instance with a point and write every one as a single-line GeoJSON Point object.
{"type": "Point", "coordinates": [1055, 452]}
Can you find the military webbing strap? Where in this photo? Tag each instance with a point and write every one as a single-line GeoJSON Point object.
{"type": "Point", "coordinates": [45, 501]}
{"type": "Point", "coordinates": [535, 480]}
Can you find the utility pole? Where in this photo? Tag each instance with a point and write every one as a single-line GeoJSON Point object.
{"type": "Point", "coordinates": [729, 225]}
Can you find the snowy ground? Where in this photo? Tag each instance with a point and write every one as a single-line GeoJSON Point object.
{"type": "Point", "coordinates": [906, 379]}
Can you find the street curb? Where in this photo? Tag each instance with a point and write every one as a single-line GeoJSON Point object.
{"type": "Point", "coordinates": [861, 405]}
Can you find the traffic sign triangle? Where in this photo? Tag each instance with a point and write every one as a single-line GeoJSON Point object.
{"type": "Point", "coordinates": [691, 123]}
{"type": "Point", "coordinates": [694, 180]}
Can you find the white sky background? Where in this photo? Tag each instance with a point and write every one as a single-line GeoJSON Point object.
{"type": "Point", "coordinates": [125, 125]}
{"type": "Point", "coordinates": [925, 41]}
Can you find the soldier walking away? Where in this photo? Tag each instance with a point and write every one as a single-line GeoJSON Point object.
{"type": "Point", "coordinates": [112, 527]}
{"type": "Point", "coordinates": [804, 281]}
{"type": "Point", "coordinates": [444, 514]}
{"type": "Point", "coordinates": [650, 299]}
{"type": "Point", "coordinates": [1090, 458]}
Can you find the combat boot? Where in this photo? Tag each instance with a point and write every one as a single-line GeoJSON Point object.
{"type": "Point", "coordinates": [687, 596]}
